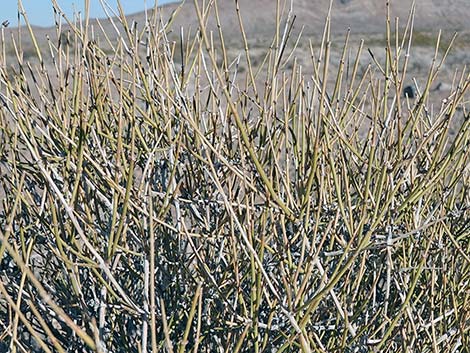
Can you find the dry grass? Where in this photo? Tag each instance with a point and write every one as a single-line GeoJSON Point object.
{"type": "Point", "coordinates": [157, 199]}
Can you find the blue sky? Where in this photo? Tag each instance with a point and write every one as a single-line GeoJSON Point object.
{"type": "Point", "coordinates": [40, 11]}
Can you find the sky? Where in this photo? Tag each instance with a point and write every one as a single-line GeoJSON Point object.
{"type": "Point", "coordinates": [40, 12]}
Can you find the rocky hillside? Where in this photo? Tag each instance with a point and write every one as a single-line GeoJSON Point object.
{"type": "Point", "coordinates": [362, 16]}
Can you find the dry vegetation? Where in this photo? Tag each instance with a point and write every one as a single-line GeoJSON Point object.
{"type": "Point", "coordinates": [154, 197]}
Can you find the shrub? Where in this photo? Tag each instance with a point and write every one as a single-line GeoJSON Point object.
{"type": "Point", "coordinates": [149, 205]}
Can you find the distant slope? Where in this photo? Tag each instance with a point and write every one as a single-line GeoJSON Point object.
{"type": "Point", "coordinates": [362, 16]}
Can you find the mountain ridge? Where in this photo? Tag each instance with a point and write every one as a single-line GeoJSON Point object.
{"type": "Point", "coordinates": [361, 16]}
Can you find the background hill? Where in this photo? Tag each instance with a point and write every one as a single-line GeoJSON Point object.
{"type": "Point", "coordinates": [362, 16]}
{"type": "Point", "coordinates": [365, 19]}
